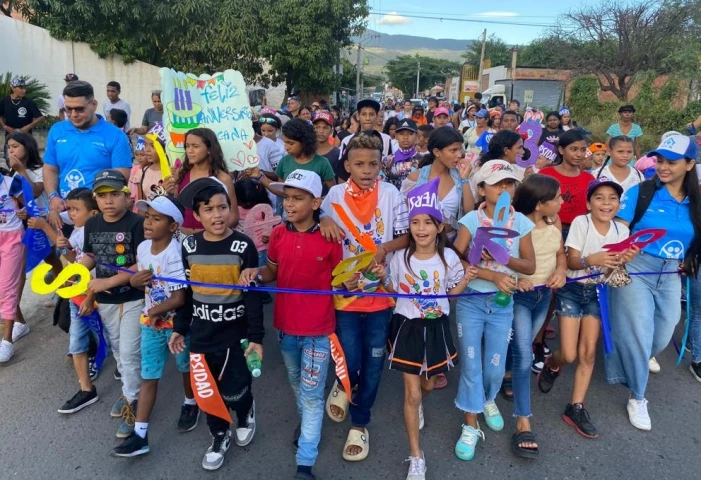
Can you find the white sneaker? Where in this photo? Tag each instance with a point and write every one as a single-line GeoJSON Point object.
{"type": "Point", "coordinates": [244, 435]}
{"type": "Point", "coordinates": [19, 330]}
{"type": "Point", "coordinates": [417, 468]}
{"type": "Point", "coordinates": [214, 458]}
{"type": "Point", "coordinates": [637, 414]}
{"type": "Point", "coordinates": [653, 365]}
{"type": "Point", "coordinates": [421, 418]}
{"type": "Point", "coordinates": [7, 350]}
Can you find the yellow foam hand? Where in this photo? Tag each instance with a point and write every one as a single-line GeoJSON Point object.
{"type": "Point", "coordinates": [78, 288]}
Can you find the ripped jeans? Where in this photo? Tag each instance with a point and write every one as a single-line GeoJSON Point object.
{"type": "Point", "coordinates": [307, 362]}
{"type": "Point", "coordinates": [481, 371]}
{"type": "Point", "coordinates": [234, 386]}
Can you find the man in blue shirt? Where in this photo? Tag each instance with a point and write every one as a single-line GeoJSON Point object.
{"type": "Point", "coordinates": [79, 148]}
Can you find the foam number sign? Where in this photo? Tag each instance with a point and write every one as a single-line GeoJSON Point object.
{"type": "Point", "coordinates": [533, 131]}
{"type": "Point", "coordinates": [493, 239]}
{"type": "Point", "coordinates": [218, 102]}
{"type": "Point", "coordinates": [77, 288]}
{"type": "Point", "coordinates": [635, 240]}
{"type": "Point", "coordinates": [345, 270]}
{"type": "Point", "coordinates": [259, 223]}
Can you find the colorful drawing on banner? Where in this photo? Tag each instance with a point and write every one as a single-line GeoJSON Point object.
{"type": "Point", "coordinates": [217, 102]}
{"type": "Point", "coordinates": [259, 222]}
{"type": "Point", "coordinates": [493, 239]}
{"type": "Point", "coordinates": [532, 130]}
{"type": "Point", "coordinates": [77, 288]}
{"type": "Point", "coordinates": [548, 151]}
{"type": "Point", "coordinates": [635, 240]}
{"type": "Point", "coordinates": [532, 115]}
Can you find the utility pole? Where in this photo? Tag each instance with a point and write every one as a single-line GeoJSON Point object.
{"type": "Point", "coordinates": [479, 75]}
{"type": "Point", "coordinates": [358, 66]}
{"type": "Point", "coordinates": [418, 77]}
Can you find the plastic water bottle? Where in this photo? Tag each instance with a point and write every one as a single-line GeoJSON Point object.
{"type": "Point", "coordinates": [503, 299]}
{"type": "Point", "coordinates": [255, 366]}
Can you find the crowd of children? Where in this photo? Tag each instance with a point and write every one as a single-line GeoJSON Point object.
{"type": "Point", "coordinates": [391, 243]}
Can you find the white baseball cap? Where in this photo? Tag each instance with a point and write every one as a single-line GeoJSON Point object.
{"type": "Point", "coordinates": [494, 171]}
{"type": "Point", "coordinates": [164, 205]}
{"type": "Point", "coordinates": [304, 180]}
{"type": "Point", "coordinates": [676, 147]}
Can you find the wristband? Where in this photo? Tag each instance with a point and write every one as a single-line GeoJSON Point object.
{"type": "Point", "coordinates": [584, 263]}
{"type": "Point", "coordinates": [464, 181]}
{"type": "Point", "coordinates": [54, 194]}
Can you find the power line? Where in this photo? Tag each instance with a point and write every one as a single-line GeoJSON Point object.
{"type": "Point", "coordinates": [471, 15]}
{"type": "Point", "coordinates": [471, 20]}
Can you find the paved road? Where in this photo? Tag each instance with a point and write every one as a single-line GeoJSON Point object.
{"type": "Point", "coordinates": [38, 443]}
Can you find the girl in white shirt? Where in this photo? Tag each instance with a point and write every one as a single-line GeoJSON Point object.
{"type": "Point", "coordinates": [618, 170]}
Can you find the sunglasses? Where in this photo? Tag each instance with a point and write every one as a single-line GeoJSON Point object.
{"type": "Point", "coordinates": [271, 121]}
{"type": "Point", "coordinates": [70, 110]}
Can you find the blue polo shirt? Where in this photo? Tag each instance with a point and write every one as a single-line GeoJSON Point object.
{"type": "Point", "coordinates": [666, 212]}
{"type": "Point", "coordinates": [79, 155]}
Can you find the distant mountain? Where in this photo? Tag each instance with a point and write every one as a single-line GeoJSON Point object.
{"type": "Point", "coordinates": [410, 42]}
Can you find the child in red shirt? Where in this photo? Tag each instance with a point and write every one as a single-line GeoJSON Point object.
{"type": "Point", "coordinates": [573, 180]}
{"type": "Point", "coordinates": [299, 257]}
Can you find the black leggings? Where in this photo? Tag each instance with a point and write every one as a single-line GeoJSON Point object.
{"type": "Point", "coordinates": [234, 386]}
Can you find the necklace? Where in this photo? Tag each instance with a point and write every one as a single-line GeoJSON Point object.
{"type": "Point", "coordinates": [18, 101]}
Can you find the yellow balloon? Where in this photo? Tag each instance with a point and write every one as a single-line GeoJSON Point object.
{"type": "Point", "coordinates": [345, 270]}
{"type": "Point", "coordinates": [42, 288]}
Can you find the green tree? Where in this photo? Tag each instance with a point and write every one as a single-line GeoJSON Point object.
{"type": "Point", "coordinates": [401, 72]}
{"type": "Point", "coordinates": [303, 39]}
{"type": "Point", "coordinates": [616, 41]}
{"type": "Point", "coordinates": [542, 52]}
{"type": "Point", "coordinates": [36, 91]}
{"type": "Point", "coordinates": [495, 50]}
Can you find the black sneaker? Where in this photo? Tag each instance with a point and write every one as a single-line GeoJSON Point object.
{"type": "Point", "coordinates": [696, 370]}
{"type": "Point", "coordinates": [117, 375]}
{"type": "Point", "coordinates": [546, 350]}
{"type": "Point", "coordinates": [578, 418]}
{"type": "Point", "coordinates": [538, 358]}
{"type": "Point", "coordinates": [133, 446]}
{"type": "Point", "coordinates": [546, 378]}
{"type": "Point", "coordinates": [92, 369]}
{"type": "Point", "coordinates": [79, 401]}
{"type": "Point", "coordinates": [189, 416]}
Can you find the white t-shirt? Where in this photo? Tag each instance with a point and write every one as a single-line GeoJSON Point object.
{"type": "Point", "coordinates": [10, 189]}
{"type": "Point", "coordinates": [427, 277]}
{"type": "Point", "coordinates": [120, 105]}
{"type": "Point", "coordinates": [585, 237]}
{"type": "Point", "coordinates": [168, 263]}
{"type": "Point", "coordinates": [386, 144]}
{"type": "Point", "coordinates": [269, 155]}
{"type": "Point", "coordinates": [37, 176]}
{"type": "Point", "coordinates": [76, 242]}
{"type": "Point", "coordinates": [634, 177]}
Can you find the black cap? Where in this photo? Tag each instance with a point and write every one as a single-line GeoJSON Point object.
{"type": "Point", "coordinates": [187, 194]}
{"type": "Point", "coordinates": [110, 178]}
{"type": "Point", "coordinates": [407, 124]}
{"type": "Point", "coordinates": [626, 108]}
{"type": "Point", "coordinates": [603, 182]}
{"type": "Point", "coordinates": [368, 102]}
{"type": "Point", "coordinates": [70, 77]}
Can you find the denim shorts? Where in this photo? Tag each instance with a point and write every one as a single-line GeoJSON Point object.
{"type": "Point", "coordinates": [578, 300]}
{"type": "Point", "coordinates": [78, 333]}
{"type": "Point", "coordinates": [155, 352]}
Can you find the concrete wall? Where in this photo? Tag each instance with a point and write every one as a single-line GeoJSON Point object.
{"type": "Point", "coordinates": [30, 50]}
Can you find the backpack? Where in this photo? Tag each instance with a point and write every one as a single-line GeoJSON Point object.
{"type": "Point", "coordinates": [645, 193]}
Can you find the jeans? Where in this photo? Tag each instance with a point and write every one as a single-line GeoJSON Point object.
{"type": "Point", "coordinates": [307, 362]}
{"type": "Point", "coordinates": [481, 374]}
{"type": "Point", "coordinates": [694, 301]}
{"type": "Point", "coordinates": [363, 337]}
{"type": "Point", "coordinates": [530, 310]}
{"type": "Point", "coordinates": [123, 331]}
{"type": "Point", "coordinates": [643, 316]}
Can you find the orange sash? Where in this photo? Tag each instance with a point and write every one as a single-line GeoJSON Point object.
{"type": "Point", "coordinates": [339, 358]}
{"type": "Point", "coordinates": [204, 386]}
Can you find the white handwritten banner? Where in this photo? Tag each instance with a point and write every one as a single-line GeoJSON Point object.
{"type": "Point", "coordinates": [218, 102]}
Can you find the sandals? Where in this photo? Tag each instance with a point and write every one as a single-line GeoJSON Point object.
{"type": "Point", "coordinates": [523, 452]}
{"type": "Point", "coordinates": [507, 389]}
{"type": "Point", "coordinates": [339, 399]}
{"type": "Point", "coordinates": [356, 438]}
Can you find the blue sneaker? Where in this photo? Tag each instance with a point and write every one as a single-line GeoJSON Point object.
{"type": "Point", "coordinates": [465, 447]}
{"type": "Point", "coordinates": [493, 417]}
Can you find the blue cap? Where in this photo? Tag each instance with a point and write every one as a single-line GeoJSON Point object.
{"type": "Point", "coordinates": [676, 147]}
{"type": "Point", "coordinates": [482, 114]}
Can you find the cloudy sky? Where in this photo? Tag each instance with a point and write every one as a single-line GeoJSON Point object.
{"type": "Point", "coordinates": [400, 17]}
